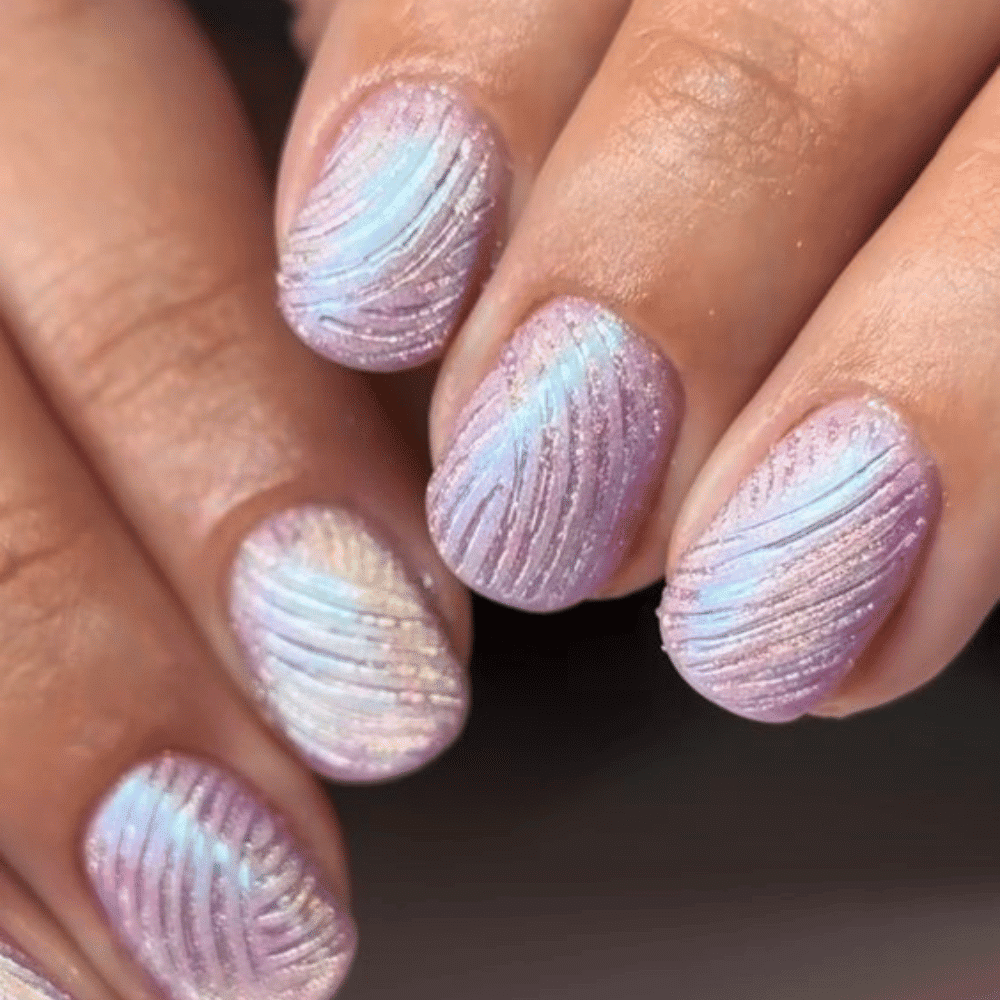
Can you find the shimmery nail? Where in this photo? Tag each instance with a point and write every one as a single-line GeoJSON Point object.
{"type": "Point", "coordinates": [346, 654]}
{"type": "Point", "coordinates": [208, 890]}
{"type": "Point", "coordinates": [555, 459]}
{"type": "Point", "coordinates": [769, 610]}
{"type": "Point", "coordinates": [19, 980]}
{"type": "Point", "coordinates": [383, 256]}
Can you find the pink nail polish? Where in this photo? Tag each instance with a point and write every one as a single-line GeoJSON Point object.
{"type": "Point", "coordinates": [20, 979]}
{"type": "Point", "coordinates": [768, 611]}
{"type": "Point", "coordinates": [383, 256]}
{"type": "Point", "coordinates": [208, 890]}
{"type": "Point", "coordinates": [346, 654]}
{"type": "Point", "coordinates": [556, 459]}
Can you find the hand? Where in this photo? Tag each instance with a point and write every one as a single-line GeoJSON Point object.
{"type": "Point", "coordinates": [175, 471]}
{"type": "Point", "coordinates": [690, 354]}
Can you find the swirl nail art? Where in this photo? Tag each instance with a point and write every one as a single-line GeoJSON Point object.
{"type": "Point", "coordinates": [555, 459]}
{"type": "Point", "coordinates": [768, 611]}
{"type": "Point", "coordinates": [20, 981]}
{"type": "Point", "coordinates": [208, 890]}
{"type": "Point", "coordinates": [346, 654]}
{"type": "Point", "coordinates": [380, 262]}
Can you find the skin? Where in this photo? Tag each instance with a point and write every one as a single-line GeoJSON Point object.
{"type": "Point", "coordinates": [753, 149]}
{"type": "Point", "coordinates": [155, 408]}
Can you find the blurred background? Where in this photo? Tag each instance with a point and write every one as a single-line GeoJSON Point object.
{"type": "Point", "coordinates": [601, 832]}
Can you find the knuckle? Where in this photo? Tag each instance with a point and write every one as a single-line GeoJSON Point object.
{"type": "Point", "coordinates": [45, 554]}
{"type": "Point", "coordinates": [755, 93]}
{"type": "Point", "coordinates": [135, 323]}
{"type": "Point", "coordinates": [28, 15]}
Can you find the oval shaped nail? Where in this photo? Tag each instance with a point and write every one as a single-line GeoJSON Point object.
{"type": "Point", "coordinates": [346, 655]}
{"type": "Point", "coordinates": [555, 459]}
{"type": "Point", "coordinates": [383, 255]}
{"type": "Point", "coordinates": [208, 890]}
{"type": "Point", "coordinates": [768, 611]}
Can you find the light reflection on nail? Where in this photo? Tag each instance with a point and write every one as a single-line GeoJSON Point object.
{"type": "Point", "coordinates": [770, 608]}
{"type": "Point", "coordinates": [382, 257]}
{"type": "Point", "coordinates": [208, 890]}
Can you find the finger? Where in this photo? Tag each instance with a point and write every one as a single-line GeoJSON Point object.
{"type": "Point", "coordinates": [37, 960]}
{"type": "Point", "coordinates": [417, 135]}
{"type": "Point", "coordinates": [214, 871]}
{"type": "Point", "coordinates": [724, 164]}
{"type": "Point", "coordinates": [852, 515]}
{"type": "Point", "coordinates": [267, 485]}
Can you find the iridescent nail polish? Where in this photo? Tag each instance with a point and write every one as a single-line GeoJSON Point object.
{"type": "Point", "coordinates": [20, 980]}
{"type": "Point", "coordinates": [401, 223]}
{"type": "Point", "coordinates": [767, 612]}
{"type": "Point", "coordinates": [208, 890]}
{"type": "Point", "coordinates": [556, 459]}
{"type": "Point", "coordinates": [345, 652]}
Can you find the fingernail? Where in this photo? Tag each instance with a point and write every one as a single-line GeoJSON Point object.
{"type": "Point", "coordinates": [380, 262]}
{"type": "Point", "coordinates": [769, 610]}
{"type": "Point", "coordinates": [20, 980]}
{"type": "Point", "coordinates": [345, 652]}
{"type": "Point", "coordinates": [555, 459]}
{"type": "Point", "coordinates": [207, 889]}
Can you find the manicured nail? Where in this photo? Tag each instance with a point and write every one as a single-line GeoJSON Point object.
{"type": "Point", "coordinates": [346, 654]}
{"type": "Point", "coordinates": [20, 980]}
{"type": "Point", "coordinates": [400, 226]}
{"type": "Point", "coordinates": [210, 893]}
{"type": "Point", "coordinates": [769, 610]}
{"type": "Point", "coordinates": [555, 459]}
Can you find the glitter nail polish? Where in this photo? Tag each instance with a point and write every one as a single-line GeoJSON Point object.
{"type": "Point", "coordinates": [346, 655]}
{"type": "Point", "coordinates": [383, 256]}
{"type": "Point", "coordinates": [20, 980]}
{"type": "Point", "coordinates": [556, 459]}
{"type": "Point", "coordinates": [767, 612]}
{"type": "Point", "coordinates": [208, 890]}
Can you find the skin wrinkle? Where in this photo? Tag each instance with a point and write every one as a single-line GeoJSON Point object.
{"type": "Point", "coordinates": [19, 17]}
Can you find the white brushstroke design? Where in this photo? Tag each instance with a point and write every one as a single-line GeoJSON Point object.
{"type": "Point", "coordinates": [209, 891]}
{"type": "Point", "coordinates": [768, 611]}
{"type": "Point", "coordinates": [351, 662]}
{"type": "Point", "coordinates": [378, 266]}
{"type": "Point", "coordinates": [544, 485]}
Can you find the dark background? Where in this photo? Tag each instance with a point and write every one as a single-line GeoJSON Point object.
{"type": "Point", "coordinates": [600, 833]}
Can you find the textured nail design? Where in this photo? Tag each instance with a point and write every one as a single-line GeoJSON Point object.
{"type": "Point", "coordinates": [20, 981]}
{"type": "Point", "coordinates": [555, 458]}
{"type": "Point", "coordinates": [205, 886]}
{"type": "Point", "coordinates": [768, 611]}
{"type": "Point", "coordinates": [381, 260]}
{"type": "Point", "coordinates": [347, 657]}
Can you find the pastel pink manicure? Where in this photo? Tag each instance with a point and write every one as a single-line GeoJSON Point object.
{"type": "Point", "coordinates": [380, 262]}
{"type": "Point", "coordinates": [556, 459]}
{"type": "Point", "coordinates": [346, 654]}
{"type": "Point", "coordinates": [206, 887]}
{"type": "Point", "coordinates": [768, 611]}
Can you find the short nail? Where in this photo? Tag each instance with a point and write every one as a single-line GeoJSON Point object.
{"type": "Point", "coordinates": [20, 980]}
{"type": "Point", "coordinates": [344, 650]}
{"type": "Point", "coordinates": [208, 890]}
{"type": "Point", "coordinates": [768, 611]}
{"type": "Point", "coordinates": [380, 262]}
{"type": "Point", "coordinates": [555, 459]}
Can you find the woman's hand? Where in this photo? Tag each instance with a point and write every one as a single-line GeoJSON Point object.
{"type": "Point", "coordinates": [689, 345]}
{"type": "Point", "coordinates": [214, 568]}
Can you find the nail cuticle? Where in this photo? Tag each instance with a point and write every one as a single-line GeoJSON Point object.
{"type": "Point", "coordinates": [556, 458]}
{"type": "Point", "coordinates": [768, 610]}
{"type": "Point", "coordinates": [402, 221]}
{"type": "Point", "coordinates": [209, 891]}
{"type": "Point", "coordinates": [344, 648]}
